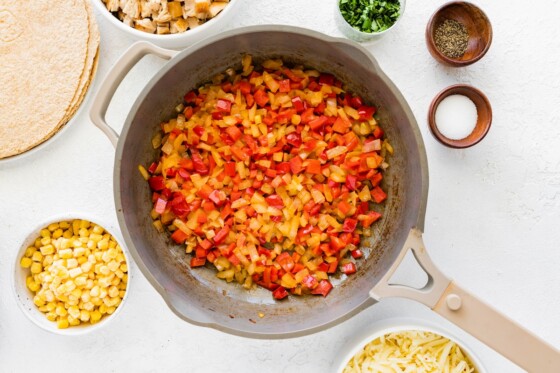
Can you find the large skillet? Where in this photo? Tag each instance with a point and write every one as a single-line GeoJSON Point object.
{"type": "Point", "coordinates": [198, 296]}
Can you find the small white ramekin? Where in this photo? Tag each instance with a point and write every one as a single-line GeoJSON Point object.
{"type": "Point", "coordinates": [24, 297]}
{"type": "Point", "coordinates": [361, 36]}
{"type": "Point", "coordinates": [399, 324]}
{"type": "Point", "coordinates": [179, 40]}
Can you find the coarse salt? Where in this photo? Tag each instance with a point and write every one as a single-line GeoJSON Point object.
{"type": "Point", "coordinates": [456, 117]}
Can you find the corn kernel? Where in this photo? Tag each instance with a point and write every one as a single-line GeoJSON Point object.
{"type": "Point", "coordinates": [73, 321]}
{"type": "Point", "coordinates": [95, 316]}
{"type": "Point", "coordinates": [51, 316]}
{"type": "Point", "coordinates": [45, 241]}
{"type": "Point", "coordinates": [36, 268]}
{"type": "Point", "coordinates": [71, 263]}
{"type": "Point", "coordinates": [84, 315]}
{"type": "Point", "coordinates": [62, 323]}
{"type": "Point", "coordinates": [25, 262]}
{"type": "Point", "coordinates": [57, 233]}
{"type": "Point", "coordinates": [29, 251]}
{"type": "Point", "coordinates": [37, 256]}
{"type": "Point", "coordinates": [65, 254]}
{"type": "Point", "coordinates": [45, 233]}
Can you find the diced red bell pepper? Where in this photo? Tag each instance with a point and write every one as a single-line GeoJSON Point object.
{"type": "Point", "coordinates": [377, 132]}
{"type": "Point", "coordinates": [356, 254]}
{"type": "Point", "coordinates": [275, 201]}
{"type": "Point", "coordinates": [378, 194]}
{"type": "Point", "coordinates": [298, 104]}
{"type": "Point", "coordinates": [341, 125]}
{"type": "Point", "coordinates": [188, 112]}
{"type": "Point", "coordinates": [349, 225]}
{"type": "Point", "coordinates": [285, 261]}
{"type": "Point", "coordinates": [349, 268]}
{"type": "Point", "coordinates": [160, 206]}
{"type": "Point", "coordinates": [356, 102]}
{"type": "Point", "coordinates": [294, 139]}
{"type": "Point", "coordinates": [198, 262]}
{"type": "Point", "coordinates": [205, 191]}
{"type": "Point", "coordinates": [190, 97]}
{"type": "Point", "coordinates": [296, 164]}
{"type": "Point", "coordinates": [336, 244]}
{"type": "Point", "coordinates": [376, 179]}
{"type": "Point", "coordinates": [156, 183]}
{"type": "Point", "coordinates": [333, 266]}
{"type": "Point", "coordinates": [307, 116]}
{"type": "Point", "coordinates": [261, 97]}
{"type": "Point", "coordinates": [310, 282]}
{"type": "Point", "coordinates": [351, 182]}
{"type": "Point", "coordinates": [313, 166]}
{"type": "Point", "coordinates": [323, 288]}
{"type": "Point", "coordinates": [282, 168]}
{"type": "Point", "coordinates": [229, 169]}
{"type": "Point", "coordinates": [179, 236]}
{"type": "Point", "coordinates": [344, 207]}
{"type": "Point", "coordinates": [199, 130]}
{"type": "Point", "coordinates": [206, 244]}
{"type": "Point", "coordinates": [318, 122]}
{"type": "Point", "coordinates": [221, 235]}
{"type": "Point", "coordinates": [238, 153]}
{"type": "Point", "coordinates": [280, 293]}
{"type": "Point", "coordinates": [234, 133]}
{"type": "Point", "coordinates": [326, 79]}
{"type": "Point", "coordinates": [223, 105]}
{"type": "Point", "coordinates": [153, 167]}
{"type": "Point", "coordinates": [370, 218]}
{"type": "Point", "coordinates": [284, 85]}
{"type": "Point", "coordinates": [218, 197]}
{"type": "Point", "coordinates": [244, 87]}
{"type": "Point", "coordinates": [366, 112]}
{"type": "Point", "coordinates": [250, 100]}
{"type": "Point", "coordinates": [198, 164]}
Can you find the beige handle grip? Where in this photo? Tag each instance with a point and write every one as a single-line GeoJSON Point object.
{"type": "Point", "coordinates": [113, 79]}
{"type": "Point", "coordinates": [469, 313]}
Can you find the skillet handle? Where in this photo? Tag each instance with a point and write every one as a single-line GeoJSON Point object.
{"type": "Point", "coordinates": [114, 78]}
{"type": "Point", "coordinates": [469, 313]}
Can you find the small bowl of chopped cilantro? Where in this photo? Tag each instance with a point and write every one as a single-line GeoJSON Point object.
{"type": "Point", "coordinates": [366, 20]}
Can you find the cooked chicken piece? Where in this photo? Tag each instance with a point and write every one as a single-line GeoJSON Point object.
{"type": "Point", "coordinates": [128, 21]}
{"type": "Point", "coordinates": [189, 9]}
{"type": "Point", "coordinates": [175, 9]}
{"type": "Point", "coordinates": [147, 25]}
{"type": "Point", "coordinates": [201, 7]}
{"type": "Point", "coordinates": [193, 22]}
{"type": "Point", "coordinates": [149, 7]}
{"type": "Point", "coordinates": [216, 7]}
{"type": "Point", "coordinates": [181, 25]}
{"type": "Point", "coordinates": [163, 28]}
{"type": "Point", "coordinates": [162, 17]}
{"type": "Point", "coordinates": [132, 9]}
{"type": "Point", "coordinates": [112, 5]}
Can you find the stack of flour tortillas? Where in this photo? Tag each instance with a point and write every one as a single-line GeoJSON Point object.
{"type": "Point", "coordinates": [48, 57]}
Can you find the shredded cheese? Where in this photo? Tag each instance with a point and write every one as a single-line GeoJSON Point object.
{"type": "Point", "coordinates": [410, 352]}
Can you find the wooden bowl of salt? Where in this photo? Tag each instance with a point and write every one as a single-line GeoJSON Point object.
{"type": "Point", "coordinates": [460, 116]}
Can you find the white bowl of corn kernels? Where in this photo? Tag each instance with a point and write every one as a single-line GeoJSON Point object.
{"type": "Point", "coordinates": [71, 275]}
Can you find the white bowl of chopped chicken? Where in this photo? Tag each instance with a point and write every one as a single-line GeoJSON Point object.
{"type": "Point", "coordinates": [407, 345]}
{"type": "Point", "coordinates": [168, 24]}
{"type": "Point", "coordinates": [71, 275]}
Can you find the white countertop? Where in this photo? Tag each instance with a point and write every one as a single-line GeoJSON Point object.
{"type": "Point", "coordinates": [492, 221]}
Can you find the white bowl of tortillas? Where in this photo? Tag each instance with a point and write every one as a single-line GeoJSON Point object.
{"type": "Point", "coordinates": [46, 70]}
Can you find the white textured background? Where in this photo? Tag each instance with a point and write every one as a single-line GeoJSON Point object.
{"type": "Point", "coordinates": [493, 219]}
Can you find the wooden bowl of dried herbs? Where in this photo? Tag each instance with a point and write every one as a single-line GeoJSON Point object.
{"type": "Point", "coordinates": [366, 20]}
{"type": "Point", "coordinates": [458, 34]}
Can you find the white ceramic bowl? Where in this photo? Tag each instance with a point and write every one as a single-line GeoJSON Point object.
{"type": "Point", "coordinates": [399, 325]}
{"type": "Point", "coordinates": [179, 40]}
{"type": "Point", "coordinates": [24, 297]}
{"type": "Point", "coordinates": [360, 36]}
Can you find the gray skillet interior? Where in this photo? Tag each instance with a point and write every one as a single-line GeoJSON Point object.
{"type": "Point", "coordinates": [197, 295]}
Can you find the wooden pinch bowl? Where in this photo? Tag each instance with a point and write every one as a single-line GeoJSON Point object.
{"type": "Point", "coordinates": [484, 119]}
{"type": "Point", "coordinates": [478, 26]}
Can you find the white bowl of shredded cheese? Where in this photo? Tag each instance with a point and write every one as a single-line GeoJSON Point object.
{"type": "Point", "coordinates": [407, 345]}
{"type": "Point", "coordinates": [41, 241]}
